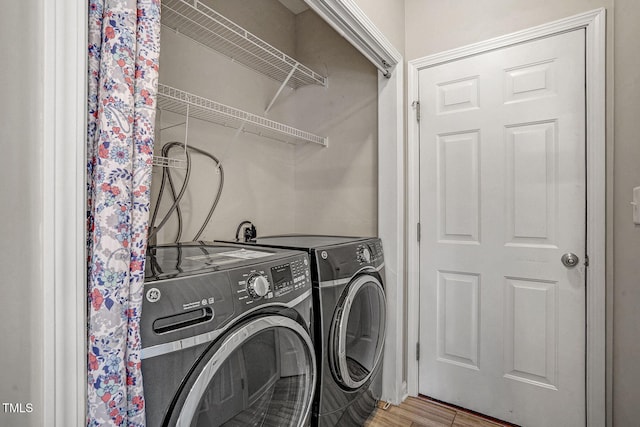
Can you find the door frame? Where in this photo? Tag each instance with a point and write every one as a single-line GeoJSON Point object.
{"type": "Point", "coordinates": [594, 24]}
{"type": "Point", "coordinates": [63, 229]}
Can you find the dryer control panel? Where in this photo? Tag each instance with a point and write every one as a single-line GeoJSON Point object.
{"type": "Point", "coordinates": [369, 252]}
{"type": "Point", "coordinates": [342, 261]}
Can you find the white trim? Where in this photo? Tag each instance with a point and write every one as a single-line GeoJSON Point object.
{"type": "Point", "coordinates": [413, 217]}
{"type": "Point", "coordinates": [63, 254]}
{"type": "Point", "coordinates": [594, 24]}
{"type": "Point", "coordinates": [596, 219]}
{"type": "Point", "coordinates": [391, 226]}
{"type": "Point", "coordinates": [350, 22]}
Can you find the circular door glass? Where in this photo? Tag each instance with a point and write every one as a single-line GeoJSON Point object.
{"type": "Point", "coordinates": [358, 332]}
{"type": "Point", "coordinates": [263, 374]}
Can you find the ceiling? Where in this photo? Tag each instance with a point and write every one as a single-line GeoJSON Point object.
{"type": "Point", "coordinates": [295, 6]}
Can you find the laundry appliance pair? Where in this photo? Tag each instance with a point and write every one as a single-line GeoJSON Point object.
{"type": "Point", "coordinates": [285, 332]}
{"type": "Point", "coordinates": [348, 324]}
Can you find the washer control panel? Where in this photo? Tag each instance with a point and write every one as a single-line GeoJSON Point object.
{"type": "Point", "coordinates": [273, 280]}
{"type": "Point", "coordinates": [258, 285]}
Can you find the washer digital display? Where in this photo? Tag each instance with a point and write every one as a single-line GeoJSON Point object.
{"type": "Point", "coordinates": [282, 278]}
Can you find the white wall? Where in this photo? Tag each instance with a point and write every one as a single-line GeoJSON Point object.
{"type": "Point", "coordinates": [268, 19]}
{"type": "Point", "coordinates": [21, 137]}
{"type": "Point", "coordinates": [388, 16]}
{"type": "Point", "coordinates": [336, 187]}
{"type": "Point", "coordinates": [433, 26]}
{"type": "Point", "coordinates": [258, 171]}
{"type": "Point", "coordinates": [279, 187]}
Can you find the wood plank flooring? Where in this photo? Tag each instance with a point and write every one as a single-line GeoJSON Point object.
{"type": "Point", "coordinates": [423, 412]}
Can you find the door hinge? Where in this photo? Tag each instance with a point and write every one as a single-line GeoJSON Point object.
{"type": "Point", "coordinates": [416, 105]}
{"type": "Point", "coordinates": [417, 351]}
{"type": "Point", "coordinates": [418, 232]}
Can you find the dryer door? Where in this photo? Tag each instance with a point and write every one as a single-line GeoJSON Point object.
{"type": "Point", "coordinates": [263, 372]}
{"type": "Point", "coordinates": [357, 332]}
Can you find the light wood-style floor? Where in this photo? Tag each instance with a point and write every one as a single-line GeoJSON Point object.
{"type": "Point", "coordinates": [422, 412]}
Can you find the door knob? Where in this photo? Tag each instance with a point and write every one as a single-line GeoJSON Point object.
{"type": "Point", "coordinates": [570, 260]}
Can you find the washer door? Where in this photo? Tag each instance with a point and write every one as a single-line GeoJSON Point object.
{"type": "Point", "coordinates": [357, 332]}
{"type": "Point", "coordinates": [263, 372]}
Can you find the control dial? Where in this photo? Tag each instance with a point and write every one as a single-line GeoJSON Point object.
{"type": "Point", "coordinates": [258, 286]}
{"type": "Point", "coordinates": [364, 254]}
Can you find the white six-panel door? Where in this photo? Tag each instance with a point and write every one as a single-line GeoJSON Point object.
{"type": "Point", "coordinates": [502, 198]}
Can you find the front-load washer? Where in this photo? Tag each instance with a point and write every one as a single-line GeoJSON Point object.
{"type": "Point", "coordinates": [349, 322]}
{"type": "Point", "coordinates": [226, 336]}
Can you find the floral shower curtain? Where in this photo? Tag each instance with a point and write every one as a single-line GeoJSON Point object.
{"type": "Point", "coordinates": [124, 44]}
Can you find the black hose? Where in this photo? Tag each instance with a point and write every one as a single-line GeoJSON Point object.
{"type": "Point", "coordinates": [175, 198]}
{"type": "Point", "coordinates": [165, 175]}
{"type": "Point", "coordinates": [175, 207]}
{"type": "Point", "coordinates": [218, 193]}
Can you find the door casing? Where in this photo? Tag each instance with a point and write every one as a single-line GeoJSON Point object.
{"type": "Point", "coordinates": [594, 24]}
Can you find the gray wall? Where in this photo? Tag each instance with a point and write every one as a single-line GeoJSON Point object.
{"type": "Point", "coordinates": [336, 187]}
{"type": "Point", "coordinates": [258, 171]}
{"type": "Point", "coordinates": [388, 16]}
{"type": "Point", "coordinates": [626, 236]}
{"type": "Point", "coordinates": [433, 26]}
{"type": "Point", "coordinates": [21, 138]}
{"type": "Point", "coordinates": [279, 187]}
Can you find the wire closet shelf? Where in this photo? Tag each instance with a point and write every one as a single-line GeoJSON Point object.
{"type": "Point", "coordinates": [207, 27]}
{"type": "Point", "coordinates": [194, 106]}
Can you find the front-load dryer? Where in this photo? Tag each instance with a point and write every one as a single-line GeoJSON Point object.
{"type": "Point", "coordinates": [349, 322]}
{"type": "Point", "coordinates": [226, 336]}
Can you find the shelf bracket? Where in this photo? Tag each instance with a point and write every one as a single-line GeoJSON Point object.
{"type": "Point", "coordinates": [284, 83]}
{"type": "Point", "coordinates": [186, 131]}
